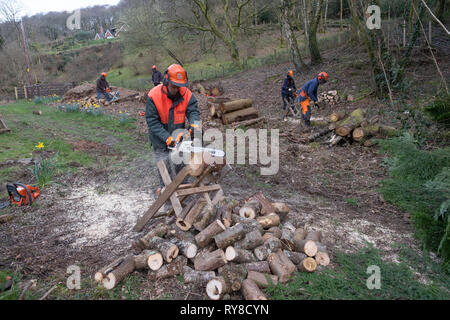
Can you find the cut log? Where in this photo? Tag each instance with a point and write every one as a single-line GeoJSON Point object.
{"type": "Point", "coordinates": [218, 99]}
{"type": "Point", "coordinates": [281, 266]}
{"type": "Point", "coordinates": [216, 288]}
{"type": "Point", "coordinates": [345, 126]}
{"type": "Point", "coordinates": [274, 231]}
{"type": "Point", "coordinates": [158, 231]}
{"type": "Point", "coordinates": [37, 112]}
{"type": "Point", "coordinates": [210, 260]}
{"type": "Point", "coordinates": [266, 205]}
{"type": "Point", "coordinates": [295, 257]}
{"type": "Point", "coordinates": [240, 115]}
{"type": "Point", "coordinates": [239, 255]}
{"type": "Point", "coordinates": [262, 279]}
{"type": "Point", "coordinates": [251, 240]}
{"type": "Point", "coordinates": [186, 209]}
{"type": "Point", "coordinates": [148, 259]}
{"type": "Point", "coordinates": [233, 274]}
{"type": "Point", "coordinates": [306, 246]}
{"type": "Point", "coordinates": [267, 236]}
{"type": "Point", "coordinates": [270, 220]}
{"type": "Point", "coordinates": [318, 134]}
{"type": "Point", "coordinates": [206, 236]}
{"type": "Point", "coordinates": [246, 123]}
{"type": "Point", "coordinates": [227, 107]}
{"type": "Point", "coordinates": [230, 236]}
{"type": "Point", "coordinates": [168, 250]}
{"type": "Point", "coordinates": [168, 270]}
{"type": "Point", "coordinates": [287, 238]}
{"type": "Point", "coordinates": [363, 132]}
{"type": "Point", "coordinates": [273, 244]}
{"type": "Point", "coordinates": [260, 266]}
{"type": "Point", "coordinates": [322, 258]}
{"type": "Point", "coordinates": [387, 131]}
{"type": "Point", "coordinates": [186, 223]}
{"type": "Point", "coordinates": [119, 273]}
{"type": "Point", "coordinates": [370, 142]}
{"type": "Point", "coordinates": [250, 291]}
{"type": "Point", "coordinates": [248, 224]}
{"type": "Point", "coordinates": [99, 275]}
{"type": "Point", "coordinates": [198, 277]}
{"type": "Point", "coordinates": [314, 236]}
{"type": "Point", "coordinates": [281, 208]}
{"type": "Point", "coordinates": [206, 215]}
{"type": "Point", "coordinates": [307, 265]}
{"type": "Point", "coordinates": [251, 209]}
{"type": "Point", "coordinates": [225, 211]}
{"type": "Point", "coordinates": [186, 248]}
{"type": "Point", "coordinates": [337, 116]}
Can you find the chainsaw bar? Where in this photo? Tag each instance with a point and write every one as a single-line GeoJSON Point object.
{"type": "Point", "coordinates": [186, 147]}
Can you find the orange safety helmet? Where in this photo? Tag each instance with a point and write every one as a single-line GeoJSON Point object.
{"type": "Point", "coordinates": [322, 75]}
{"type": "Point", "coordinates": [154, 67]}
{"type": "Point", "coordinates": [103, 74]}
{"type": "Point", "coordinates": [290, 73]}
{"type": "Point", "coordinates": [175, 75]}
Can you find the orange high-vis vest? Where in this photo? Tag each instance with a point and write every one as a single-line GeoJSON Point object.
{"type": "Point", "coordinates": [163, 104]}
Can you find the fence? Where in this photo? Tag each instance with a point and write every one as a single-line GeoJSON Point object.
{"type": "Point", "coordinates": [42, 90]}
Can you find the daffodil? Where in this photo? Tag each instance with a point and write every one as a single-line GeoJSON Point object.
{"type": "Point", "coordinates": [40, 145]}
{"type": "Point", "coordinates": [120, 112]}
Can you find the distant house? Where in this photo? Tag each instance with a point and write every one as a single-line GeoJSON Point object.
{"type": "Point", "coordinates": [105, 35]}
{"type": "Point", "coordinates": [98, 36]}
{"type": "Point", "coordinates": [109, 35]}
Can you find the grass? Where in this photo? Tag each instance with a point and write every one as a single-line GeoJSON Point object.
{"type": "Point", "coordinates": [349, 280]}
{"type": "Point", "coordinates": [60, 132]}
{"type": "Point", "coordinates": [352, 201]}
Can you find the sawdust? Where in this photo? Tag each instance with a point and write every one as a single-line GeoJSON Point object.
{"type": "Point", "coordinates": [101, 219]}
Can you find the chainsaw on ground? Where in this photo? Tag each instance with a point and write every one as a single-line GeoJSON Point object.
{"type": "Point", "coordinates": [20, 194]}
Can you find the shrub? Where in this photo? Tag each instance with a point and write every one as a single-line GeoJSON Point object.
{"type": "Point", "coordinates": [419, 183]}
{"type": "Point", "coordinates": [439, 110]}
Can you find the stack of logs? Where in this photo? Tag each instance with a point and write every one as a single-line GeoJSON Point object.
{"type": "Point", "coordinates": [225, 248]}
{"type": "Point", "coordinates": [355, 128]}
{"type": "Point", "coordinates": [208, 91]}
{"type": "Point", "coordinates": [330, 97]}
{"type": "Point", "coordinates": [230, 111]}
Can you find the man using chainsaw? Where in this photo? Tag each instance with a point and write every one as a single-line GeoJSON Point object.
{"type": "Point", "coordinates": [168, 106]}
{"type": "Point", "coordinates": [288, 89]}
{"type": "Point", "coordinates": [309, 92]}
{"type": "Point", "coordinates": [156, 76]}
{"type": "Point", "coordinates": [103, 88]}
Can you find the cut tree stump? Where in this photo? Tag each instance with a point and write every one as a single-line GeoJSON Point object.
{"type": "Point", "coordinates": [262, 279]}
{"type": "Point", "coordinates": [119, 273]}
{"type": "Point", "coordinates": [206, 236]}
{"type": "Point", "coordinates": [198, 277]}
{"type": "Point", "coordinates": [210, 260]}
{"type": "Point", "coordinates": [250, 291]}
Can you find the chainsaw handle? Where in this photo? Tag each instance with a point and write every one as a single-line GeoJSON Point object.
{"type": "Point", "coordinates": [28, 191]}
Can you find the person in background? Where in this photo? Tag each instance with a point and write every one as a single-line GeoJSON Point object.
{"type": "Point", "coordinates": [309, 92]}
{"type": "Point", "coordinates": [103, 88]}
{"type": "Point", "coordinates": [156, 76]}
{"type": "Point", "coordinates": [288, 89]}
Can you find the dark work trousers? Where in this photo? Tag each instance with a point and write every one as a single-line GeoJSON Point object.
{"type": "Point", "coordinates": [172, 168]}
{"type": "Point", "coordinates": [307, 116]}
{"type": "Point", "coordinates": [287, 98]}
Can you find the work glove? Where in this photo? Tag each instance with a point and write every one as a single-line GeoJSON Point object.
{"type": "Point", "coordinates": [170, 142]}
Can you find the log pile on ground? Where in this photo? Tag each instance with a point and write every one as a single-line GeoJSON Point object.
{"type": "Point", "coordinates": [239, 248]}
{"type": "Point", "coordinates": [232, 111]}
{"type": "Point", "coordinates": [213, 90]}
{"type": "Point", "coordinates": [353, 128]}
{"type": "Point", "coordinates": [330, 97]}
{"type": "Point", "coordinates": [86, 95]}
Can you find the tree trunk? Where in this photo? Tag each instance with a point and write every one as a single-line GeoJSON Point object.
{"type": "Point", "coordinates": [336, 116]}
{"type": "Point", "coordinates": [187, 248]}
{"type": "Point", "coordinates": [248, 224]}
{"type": "Point", "coordinates": [250, 291]}
{"type": "Point", "coordinates": [99, 275]}
{"type": "Point", "coordinates": [274, 231]}
{"type": "Point", "coordinates": [290, 36]}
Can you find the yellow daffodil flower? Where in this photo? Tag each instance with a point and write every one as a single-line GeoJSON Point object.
{"type": "Point", "coordinates": [40, 145]}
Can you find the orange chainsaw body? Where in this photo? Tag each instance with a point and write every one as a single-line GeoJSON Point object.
{"type": "Point", "coordinates": [22, 194]}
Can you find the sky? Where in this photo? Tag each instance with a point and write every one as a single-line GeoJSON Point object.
{"type": "Point", "coordinates": [31, 7]}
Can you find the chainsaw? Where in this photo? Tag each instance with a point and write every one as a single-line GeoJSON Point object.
{"type": "Point", "coordinates": [20, 194]}
{"type": "Point", "coordinates": [186, 146]}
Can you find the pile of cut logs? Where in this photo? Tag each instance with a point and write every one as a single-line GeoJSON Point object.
{"type": "Point", "coordinates": [214, 90]}
{"type": "Point", "coordinates": [230, 111]}
{"type": "Point", "coordinates": [330, 97]}
{"type": "Point", "coordinates": [226, 248]}
{"type": "Point", "coordinates": [355, 128]}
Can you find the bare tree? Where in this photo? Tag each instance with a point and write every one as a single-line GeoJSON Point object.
{"type": "Point", "coordinates": [285, 7]}
{"type": "Point", "coordinates": [312, 20]}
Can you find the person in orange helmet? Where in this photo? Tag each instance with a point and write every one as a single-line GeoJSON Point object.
{"type": "Point", "coordinates": [103, 87]}
{"type": "Point", "coordinates": [156, 76]}
{"type": "Point", "coordinates": [309, 92]}
{"type": "Point", "coordinates": [168, 107]}
{"type": "Point", "coordinates": [288, 89]}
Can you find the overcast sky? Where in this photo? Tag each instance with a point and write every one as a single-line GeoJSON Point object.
{"type": "Point", "coordinates": [31, 7]}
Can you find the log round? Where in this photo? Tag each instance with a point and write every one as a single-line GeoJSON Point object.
{"type": "Point", "coordinates": [251, 291]}
{"type": "Point", "coordinates": [307, 265]}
